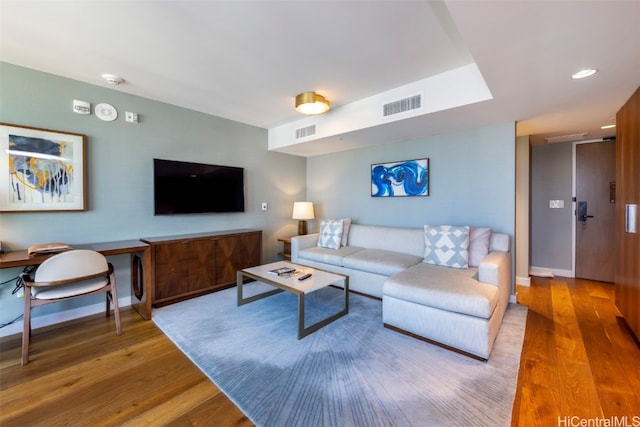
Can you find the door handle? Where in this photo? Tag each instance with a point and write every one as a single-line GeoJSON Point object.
{"type": "Point", "coordinates": [631, 218]}
{"type": "Point", "coordinates": [582, 212]}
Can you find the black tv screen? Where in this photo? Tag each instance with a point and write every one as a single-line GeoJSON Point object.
{"type": "Point", "coordinates": [184, 187]}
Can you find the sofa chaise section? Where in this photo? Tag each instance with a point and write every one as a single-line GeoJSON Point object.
{"type": "Point", "coordinates": [459, 308]}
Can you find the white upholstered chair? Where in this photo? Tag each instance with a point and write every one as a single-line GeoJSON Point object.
{"type": "Point", "coordinates": [64, 276]}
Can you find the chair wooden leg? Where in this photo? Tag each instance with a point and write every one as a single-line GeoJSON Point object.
{"type": "Point", "coordinates": [26, 329]}
{"type": "Point", "coordinates": [114, 299]}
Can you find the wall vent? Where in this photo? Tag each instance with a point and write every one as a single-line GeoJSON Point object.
{"type": "Point", "coordinates": [304, 132]}
{"type": "Point", "coordinates": [407, 104]}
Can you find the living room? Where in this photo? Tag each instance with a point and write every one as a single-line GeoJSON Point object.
{"type": "Point", "coordinates": [472, 177]}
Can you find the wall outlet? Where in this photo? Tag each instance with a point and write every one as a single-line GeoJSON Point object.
{"type": "Point", "coordinates": [264, 206]}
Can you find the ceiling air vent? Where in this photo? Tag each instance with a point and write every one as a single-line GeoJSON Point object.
{"type": "Point", "coordinates": [407, 104]}
{"type": "Point", "coordinates": [566, 138]}
{"type": "Point", "coordinates": [304, 132]}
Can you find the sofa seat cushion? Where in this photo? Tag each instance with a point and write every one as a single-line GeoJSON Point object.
{"type": "Point", "coordinates": [450, 289]}
{"type": "Point", "coordinates": [378, 261]}
{"type": "Point", "coordinates": [326, 255]}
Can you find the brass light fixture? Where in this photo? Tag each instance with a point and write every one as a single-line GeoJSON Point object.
{"type": "Point", "coordinates": [311, 103]}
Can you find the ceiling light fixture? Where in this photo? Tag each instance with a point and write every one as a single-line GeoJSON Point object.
{"type": "Point", "coordinates": [607, 127]}
{"type": "Point", "coordinates": [311, 103]}
{"type": "Point", "coordinates": [587, 72]}
{"type": "Point", "coordinates": [112, 79]}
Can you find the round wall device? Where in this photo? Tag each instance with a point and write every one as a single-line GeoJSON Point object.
{"type": "Point", "coordinates": [106, 112]}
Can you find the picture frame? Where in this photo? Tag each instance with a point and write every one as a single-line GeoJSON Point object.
{"type": "Point", "coordinates": [41, 170]}
{"type": "Point", "coordinates": [407, 178]}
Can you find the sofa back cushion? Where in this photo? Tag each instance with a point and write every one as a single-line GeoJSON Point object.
{"type": "Point", "coordinates": [404, 240]}
{"type": "Point", "coordinates": [500, 242]}
{"type": "Point", "coordinates": [479, 240]}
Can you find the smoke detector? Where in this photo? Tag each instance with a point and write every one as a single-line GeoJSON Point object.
{"type": "Point", "coordinates": [112, 79]}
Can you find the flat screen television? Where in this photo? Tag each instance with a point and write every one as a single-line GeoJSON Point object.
{"type": "Point", "coordinates": [184, 187]}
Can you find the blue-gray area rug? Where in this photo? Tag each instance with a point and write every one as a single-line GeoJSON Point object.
{"type": "Point", "coordinates": [352, 372]}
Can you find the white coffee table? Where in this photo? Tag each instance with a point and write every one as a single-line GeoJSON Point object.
{"type": "Point", "coordinates": [319, 279]}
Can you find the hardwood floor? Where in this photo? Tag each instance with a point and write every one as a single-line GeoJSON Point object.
{"type": "Point", "coordinates": [577, 361]}
{"type": "Point", "coordinates": [82, 374]}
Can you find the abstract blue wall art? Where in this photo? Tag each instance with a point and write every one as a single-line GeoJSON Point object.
{"type": "Point", "coordinates": [400, 179]}
{"type": "Point", "coordinates": [41, 170]}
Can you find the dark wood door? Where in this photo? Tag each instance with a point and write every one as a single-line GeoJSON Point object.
{"type": "Point", "coordinates": [627, 241]}
{"type": "Point", "coordinates": [595, 211]}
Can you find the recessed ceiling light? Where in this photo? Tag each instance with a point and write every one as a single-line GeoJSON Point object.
{"type": "Point", "coordinates": [607, 126]}
{"type": "Point", "coordinates": [587, 72]}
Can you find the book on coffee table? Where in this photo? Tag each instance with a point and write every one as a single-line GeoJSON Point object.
{"type": "Point", "coordinates": [283, 271]}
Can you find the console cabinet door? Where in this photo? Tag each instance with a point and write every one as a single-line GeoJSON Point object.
{"type": "Point", "coordinates": [202, 264]}
{"type": "Point", "coordinates": [236, 252]}
{"type": "Point", "coordinates": [171, 263]}
{"type": "Point", "coordinates": [191, 265]}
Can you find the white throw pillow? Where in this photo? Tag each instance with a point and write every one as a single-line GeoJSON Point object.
{"type": "Point", "coordinates": [331, 231]}
{"type": "Point", "coordinates": [446, 245]}
{"type": "Point", "coordinates": [479, 240]}
{"type": "Point", "coordinates": [346, 224]}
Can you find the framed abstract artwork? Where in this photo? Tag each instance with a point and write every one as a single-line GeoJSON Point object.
{"type": "Point", "coordinates": [41, 170]}
{"type": "Point", "coordinates": [407, 178]}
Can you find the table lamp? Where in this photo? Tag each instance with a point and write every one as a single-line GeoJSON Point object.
{"type": "Point", "coordinates": [302, 211]}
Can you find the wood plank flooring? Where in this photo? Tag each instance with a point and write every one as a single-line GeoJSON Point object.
{"type": "Point", "coordinates": [82, 374]}
{"type": "Point", "coordinates": [578, 360]}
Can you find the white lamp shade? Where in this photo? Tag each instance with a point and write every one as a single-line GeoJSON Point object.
{"type": "Point", "coordinates": [303, 210]}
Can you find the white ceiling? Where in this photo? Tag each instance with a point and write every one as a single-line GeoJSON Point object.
{"type": "Point", "coordinates": [246, 60]}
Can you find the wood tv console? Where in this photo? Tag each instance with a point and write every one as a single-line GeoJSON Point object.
{"type": "Point", "coordinates": [190, 265]}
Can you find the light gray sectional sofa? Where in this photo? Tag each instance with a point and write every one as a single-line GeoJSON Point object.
{"type": "Point", "coordinates": [459, 307]}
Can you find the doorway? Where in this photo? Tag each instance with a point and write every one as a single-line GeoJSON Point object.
{"type": "Point", "coordinates": [595, 211]}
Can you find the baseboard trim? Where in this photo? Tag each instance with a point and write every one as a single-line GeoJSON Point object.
{"type": "Point", "coordinates": [550, 272]}
{"type": "Point", "coordinates": [523, 281]}
{"type": "Point", "coordinates": [59, 317]}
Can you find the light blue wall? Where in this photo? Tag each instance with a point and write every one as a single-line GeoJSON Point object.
{"type": "Point", "coordinates": [551, 229]}
{"type": "Point", "coordinates": [472, 182]}
{"type": "Point", "coordinates": [119, 178]}
{"type": "Point", "coordinates": [472, 175]}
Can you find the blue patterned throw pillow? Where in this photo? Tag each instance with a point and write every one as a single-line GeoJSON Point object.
{"type": "Point", "coordinates": [330, 234]}
{"type": "Point", "coordinates": [446, 245]}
